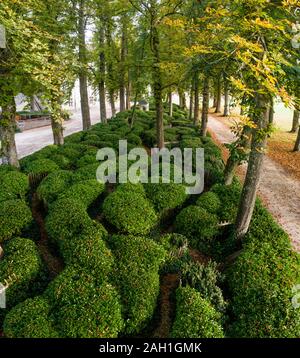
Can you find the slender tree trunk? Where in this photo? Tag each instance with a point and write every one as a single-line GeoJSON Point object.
{"type": "Point", "coordinates": [110, 69]}
{"type": "Point", "coordinates": [205, 106]}
{"type": "Point", "coordinates": [271, 112]}
{"type": "Point", "coordinates": [122, 63]}
{"type": "Point", "coordinates": [296, 118]}
{"type": "Point", "coordinates": [57, 131]}
{"type": "Point", "coordinates": [297, 144]}
{"type": "Point", "coordinates": [7, 131]}
{"type": "Point", "coordinates": [219, 96]}
{"type": "Point", "coordinates": [258, 145]}
{"type": "Point", "coordinates": [128, 94]}
{"type": "Point", "coordinates": [83, 81]}
{"type": "Point", "coordinates": [157, 86]}
{"type": "Point", "coordinates": [226, 97]}
{"type": "Point", "coordinates": [170, 104]}
{"type": "Point", "coordinates": [196, 106]}
{"type": "Point", "coordinates": [102, 69]}
{"type": "Point", "coordinates": [182, 99]}
{"type": "Point", "coordinates": [191, 108]}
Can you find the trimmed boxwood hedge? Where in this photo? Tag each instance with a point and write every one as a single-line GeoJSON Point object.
{"type": "Point", "coordinates": [15, 215]}
{"type": "Point", "coordinates": [230, 197]}
{"type": "Point", "coordinates": [137, 262]}
{"type": "Point", "coordinates": [195, 316]}
{"type": "Point", "coordinates": [85, 173]}
{"type": "Point", "coordinates": [40, 166]}
{"type": "Point", "coordinates": [30, 319]}
{"type": "Point", "coordinates": [53, 185]}
{"type": "Point", "coordinates": [198, 225]}
{"type": "Point", "coordinates": [84, 307]}
{"type": "Point", "coordinates": [86, 192]}
{"type": "Point", "coordinates": [210, 202]}
{"type": "Point", "coordinates": [130, 212]}
{"type": "Point", "coordinates": [14, 185]}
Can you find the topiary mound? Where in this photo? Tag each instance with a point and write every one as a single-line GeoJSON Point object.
{"type": "Point", "coordinates": [14, 185]}
{"type": "Point", "coordinates": [198, 225]}
{"type": "Point", "coordinates": [23, 269]}
{"type": "Point", "coordinates": [130, 212]}
{"type": "Point", "coordinates": [88, 251]}
{"type": "Point", "coordinates": [86, 173]}
{"type": "Point", "coordinates": [195, 316]}
{"type": "Point", "coordinates": [230, 197]}
{"type": "Point", "coordinates": [66, 219]}
{"type": "Point", "coordinates": [85, 307]}
{"type": "Point", "coordinates": [53, 185]}
{"type": "Point", "coordinates": [210, 202]}
{"type": "Point", "coordinates": [137, 276]}
{"type": "Point", "coordinates": [85, 192]}
{"type": "Point", "coordinates": [30, 319]}
{"type": "Point", "coordinates": [15, 216]}
{"type": "Point", "coordinates": [40, 166]}
{"type": "Point", "coordinates": [166, 196]}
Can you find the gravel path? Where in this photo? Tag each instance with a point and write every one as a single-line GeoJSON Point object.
{"type": "Point", "coordinates": [279, 191]}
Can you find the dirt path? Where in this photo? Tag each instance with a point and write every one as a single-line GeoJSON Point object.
{"type": "Point", "coordinates": [279, 191]}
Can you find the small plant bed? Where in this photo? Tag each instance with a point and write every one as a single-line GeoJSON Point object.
{"type": "Point", "coordinates": [137, 259]}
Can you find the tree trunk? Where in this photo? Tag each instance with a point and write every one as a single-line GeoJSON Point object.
{"type": "Point", "coordinates": [122, 65]}
{"type": "Point", "coordinates": [226, 98]}
{"type": "Point", "coordinates": [110, 69]}
{"type": "Point", "coordinates": [7, 131]}
{"type": "Point", "coordinates": [182, 99]}
{"type": "Point", "coordinates": [196, 106]}
{"type": "Point", "coordinates": [258, 145]}
{"type": "Point", "coordinates": [102, 69]}
{"type": "Point", "coordinates": [57, 131]}
{"type": "Point", "coordinates": [191, 108]}
{"type": "Point", "coordinates": [83, 81]}
{"type": "Point", "coordinates": [296, 118]}
{"type": "Point", "coordinates": [128, 95]}
{"type": "Point", "coordinates": [157, 87]}
{"type": "Point", "coordinates": [219, 97]}
{"type": "Point", "coordinates": [205, 106]}
{"type": "Point", "coordinates": [170, 104]}
{"type": "Point", "coordinates": [271, 112]}
{"type": "Point", "coordinates": [297, 144]}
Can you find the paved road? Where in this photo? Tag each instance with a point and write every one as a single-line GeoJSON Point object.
{"type": "Point", "coordinates": [32, 140]}
{"type": "Point", "coordinates": [279, 191]}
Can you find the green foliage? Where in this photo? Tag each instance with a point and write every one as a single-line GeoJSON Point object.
{"type": "Point", "coordinates": [85, 173]}
{"type": "Point", "coordinates": [66, 219]}
{"type": "Point", "coordinates": [15, 216]}
{"type": "Point", "coordinates": [40, 166]}
{"type": "Point", "coordinates": [30, 319]}
{"type": "Point", "coordinates": [86, 160]}
{"type": "Point", "coordinates": [23, 269]}
{"type": "Point", "coordinates": [210, 202]}
{"type": "Point", "coordinates": [134, 139]}
{"type": "Point", "coordinates": [62, 161]}
{"type": "Point", "coordinates": [129, 212]}
{"type": "Point", "coordinates": [198, 225]}
{"type": "Point", "coordinates": [14, 185]}
{"type": "Point", "coordinates": [166, 196]}
{"type": "Point", "coordinates": [136, 274]}
{"type": "Point", "coordinates": [195, 316]}
{"type": "Point", "coordinates": [85, 192]}
{"type": "Point", "coordinates": [83, 306]}
{"type": "Point", "coordinates": [53, 185]}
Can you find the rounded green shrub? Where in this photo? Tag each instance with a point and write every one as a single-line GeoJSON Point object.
{"type": "Point", "coordinates": [41, 166]}
{"type": "Point", "coordinates": [15, 216]}
{"type": "Point", "coordinates": [30, 319]}
{"type": "Point", "coordinates": [166, 196]}
{"type": "Point", "coordinates": [66, 219]}
{"type": "Point", "coordinates": [210, 202]}
{"type": "Point", "coordinates": [137, 262]}
{"type": "Point", "coordinates": [5, 168]}
{"type": "Point", "coordinates": [14, 185]}
{"type": "Point", "coordinates": [195, 316]}
{"type": "Point", "coordinates": [83, 307]}
{"type": "Point", "coordinates": [131, 187]}
{"type": "Point", "coordinates": [198, 225]}
{"type": "Point", "coordinates": [74, 138]}
{"type": "Point", "coordinates": [86, 192]}
{"type": "Point", "coordinates": [86, 160]}
{"type": "Point", "coordinates": [23, 269]}
{"type": "Point", "coordinates": [62, 161]}
{"type": "Point", "coordinates": [86, 173]}
{"type": "Point", "coordinates": [129, 212]}
{"type": "Point", "coordinates": [134, 139]}
{"type": "Point", "coordinates": [261, 283]}
{"type": "Point", "coordinates": [229, 196]}
{"type": "Point", "coordinates": [89, 252]}
{"type": "Point", "coordinates": [53, 185]}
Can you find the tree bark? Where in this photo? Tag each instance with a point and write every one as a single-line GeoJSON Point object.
{"type": "Point", "coordinates": [258, 145]}
{"type": "Point", "coordinates": [296, 118]}
{"type": "Point", "coordinates": [205, 106]}
{"type": "Point", "coordinates": [102, 69]}
{"type": "Point", "coordinates": [182, 99]}
{"type": "Point", "coordinates": [128, 94]}
{"type": "Point", "coordinates": [297, 144]}
{"type": "Point", "coordinates": [226, 97]}
{"type": "Point", "coordinates": [191, 108]}
{"type": "Point", "coordinates": [196, 105]}
{"type": "Point", "coordinates": [83, 81]}
{"type": "Point", "coordinates": [170, 104]}
{"type": "Point", "coordinates": [271, 112]}
{"type": "Point", "coordinates": [57, 131]}
{"type": "Point", "coordinates": [219, 96]}
{"type": "Point", "coordinates": [122, 65]}
{"type": "Point", "coordinates": [110, 69]}
{"type": "Point", "coordinates": [7, 131]}
{"type": "Point", "coordinates": [157, 86]}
